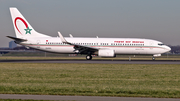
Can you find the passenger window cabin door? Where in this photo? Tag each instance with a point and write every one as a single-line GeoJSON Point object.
{"type": "Point", "coordinates": [38, 43]}
{"type": "Point", "coordinates": [151, 45]}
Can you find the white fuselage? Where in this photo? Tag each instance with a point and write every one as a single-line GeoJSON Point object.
{"type": "Point", "coordinates": [119, 45]}
{"type": "Point", "coordinates": [103, 47]}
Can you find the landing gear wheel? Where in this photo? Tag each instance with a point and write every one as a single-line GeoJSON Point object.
{"type": "Point", "coordinates": [153, 58]}
{"type": "Point", "coordinates": [88, 57]}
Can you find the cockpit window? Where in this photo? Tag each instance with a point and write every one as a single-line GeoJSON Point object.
{"type": "Point", "coordinates": [160, 44]}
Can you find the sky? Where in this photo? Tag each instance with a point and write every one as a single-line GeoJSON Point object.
{"type": "Point", "coordinates": [150, 19]}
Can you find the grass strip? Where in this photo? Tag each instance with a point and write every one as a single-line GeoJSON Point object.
{"type": "Point", "coordinates": [128, 80]}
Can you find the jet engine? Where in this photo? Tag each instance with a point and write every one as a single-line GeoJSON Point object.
{"type": "Point", "coordinates": [106, 53]}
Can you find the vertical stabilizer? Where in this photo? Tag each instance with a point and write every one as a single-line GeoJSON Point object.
{"type": "Point", "coordinates": [21, 26]}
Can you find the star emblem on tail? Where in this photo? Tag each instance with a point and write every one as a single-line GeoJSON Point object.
{"type": "Point", "coordinates": [28, 30]}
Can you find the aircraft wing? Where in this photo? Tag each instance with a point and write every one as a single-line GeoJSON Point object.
{"type": "Point", "coordinates": [84, 49]}
{"type": "Point", "coordinates": [79, 48]}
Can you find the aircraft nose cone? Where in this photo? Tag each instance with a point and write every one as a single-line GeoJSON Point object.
{"type": "Point", "coordinates": [168, 48]}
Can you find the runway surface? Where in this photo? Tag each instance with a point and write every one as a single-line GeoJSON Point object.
{"type": "Point", "coordinates": [96, 61]}
{"type": "Point", "coordinates": [81, 98]}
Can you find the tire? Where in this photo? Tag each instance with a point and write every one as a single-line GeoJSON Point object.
{"type": "Point", "coordinates": [88, 57]}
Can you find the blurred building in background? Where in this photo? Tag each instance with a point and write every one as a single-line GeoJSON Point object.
{"type": "Point", "coordinates": [12, 44]}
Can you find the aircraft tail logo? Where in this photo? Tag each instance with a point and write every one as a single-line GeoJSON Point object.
{"type": "Point", "coordinates": [26, 25]}
{"type": "Point", "coordinates": [22, 28]}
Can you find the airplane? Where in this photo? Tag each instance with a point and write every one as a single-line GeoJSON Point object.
{"type": "Point", "coordinates": [102, 47]}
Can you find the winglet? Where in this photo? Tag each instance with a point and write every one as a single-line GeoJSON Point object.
{"type": "Point", "coordinates": [62, 38]}
{"type": "Point", "coordinates": [71, 35]}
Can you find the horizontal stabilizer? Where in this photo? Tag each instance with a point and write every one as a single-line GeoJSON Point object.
{"type": "Point", "coordinates": [16, 39]}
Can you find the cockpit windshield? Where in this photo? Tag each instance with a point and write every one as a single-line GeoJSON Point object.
{"type": "Point", "coordinates": [161, 44]}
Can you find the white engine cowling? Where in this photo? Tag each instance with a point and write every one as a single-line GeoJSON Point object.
{"type": "Point", "coordinates": [106, 53]}
{"type": "Point", "coordinates": [156, 55]}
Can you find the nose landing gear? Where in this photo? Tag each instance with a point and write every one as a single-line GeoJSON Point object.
{"type": "Point", "coordinates": [153, 58]}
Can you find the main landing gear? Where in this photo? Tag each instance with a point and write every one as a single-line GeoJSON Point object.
{"type": "Point", "coordinates": [88, 57]}
{"type": "Point", "coordinates": [153, 58]}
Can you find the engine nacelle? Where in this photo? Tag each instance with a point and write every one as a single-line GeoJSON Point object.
{"type": "Point", "coordinates": [106, 53]}
{"type": "Point", "coordinates": [157, 55]}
